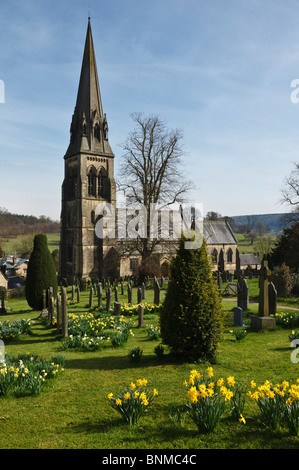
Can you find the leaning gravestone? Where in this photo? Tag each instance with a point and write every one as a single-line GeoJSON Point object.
{"type": "Point", "coordinates": [243, 294]}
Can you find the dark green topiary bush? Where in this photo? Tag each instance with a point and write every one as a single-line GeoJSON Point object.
{"type": "Point", "coordinates": [191, 318]}
{"type": "Point", "coordinates": [41, 273]}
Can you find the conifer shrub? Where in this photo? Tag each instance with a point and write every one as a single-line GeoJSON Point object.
{"type": "Point", "coordinates": [41, 273]}
{"type": "Point", "coordinates": [191, 316]}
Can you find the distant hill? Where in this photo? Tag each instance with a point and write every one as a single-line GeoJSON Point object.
{"type": "Point", "coordinates": [12, 225]}
{"type": "Point", "coordinates": [273, 222]}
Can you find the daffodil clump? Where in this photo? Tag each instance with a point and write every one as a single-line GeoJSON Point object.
{"type": "Point", "coordinates": [132, 309]}
{"type": "Point", "coordinates": [278, 404]}
{"type": "Point", "coordinates": [89, 331]}
{"type": "Point", "coordinates": [26, 375]}
{"type": "Point", "coordinates": [12, 330]}
{"type": "Point", "coordinates": [133, 402]}
{"type": "Point", "coordinates": [208, 397]}
{"type": "Point", "coordinates": [287, 319]}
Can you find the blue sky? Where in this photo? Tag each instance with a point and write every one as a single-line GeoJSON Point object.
{"type": "Point", "coordinates": [219, 70]}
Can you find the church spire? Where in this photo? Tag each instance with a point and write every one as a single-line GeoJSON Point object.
{"type": "Point", "coordinates": [89, 129]}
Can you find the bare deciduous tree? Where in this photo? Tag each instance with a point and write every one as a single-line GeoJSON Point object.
{"type": "Point", "coordinates": [151, 171]}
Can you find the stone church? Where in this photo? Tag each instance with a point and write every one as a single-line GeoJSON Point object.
{"type": "Point", "coordinates": [89, 180]}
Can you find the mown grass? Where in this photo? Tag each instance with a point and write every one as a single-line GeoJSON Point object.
{"type": "Point", "coordinates": [73, 411]}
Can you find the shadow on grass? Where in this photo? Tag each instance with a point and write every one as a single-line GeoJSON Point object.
{"type": "Point", "coordinates": [119, 362]}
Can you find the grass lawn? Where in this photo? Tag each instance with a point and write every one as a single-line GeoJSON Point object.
{"type": "Point", "coordinates": [73, 412]}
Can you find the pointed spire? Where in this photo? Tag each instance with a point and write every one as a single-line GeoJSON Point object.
{"type": "Point", "coordinates": [88, 131]}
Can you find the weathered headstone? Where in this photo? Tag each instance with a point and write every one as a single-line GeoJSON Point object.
{"type": "Point", "coordinates": [265, 274]}
{"type": "Point", "coordinates": [58, 313]}
{"type": "Point", "coordinates": [64, 319]}
{"type": "Point", "coordinates": [91, 297]}
{"type": "Point", "coordinates": [116, 294]}
{"type": "Point", "coordinates": [140, 315]}
{"type": "Point", "coordinates": [73, 292]}
{"type": "Point", "coordinates": [108, 299]}
{"type": "Point", "coordinates": [143, 291]}
{"type": "Point", "coordinates": [129, 293]}
{"type": "Point", "coordinates": [263, 320]}
{"type": "Point", "coordinates": [100, 295]}
{"type": "Point", "coordinates": [243, 294]}
{"type": "Point", "coordinates": [139, 295]}
{"type": "Point", "coordinates": [219, 280]}
{"type": "Point", "coordinates": [238, 317]}
{"type": "Point", "coordinates": [44, 311]}
{"type": "Point", "coordinates": [78, 294]}
{"type": "Point", "coordinates": [52, 301]}
{"type": "Point", "coordinates": [117, 308]}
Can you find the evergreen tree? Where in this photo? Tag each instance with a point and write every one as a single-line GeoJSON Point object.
{"type": "Point", "coordinates": [191, 318]}
{"type": "Point", "coordinates": [41, 273]}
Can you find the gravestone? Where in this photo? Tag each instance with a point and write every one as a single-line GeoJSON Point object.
{"type": "Point", "coordinates": [115, 294]}
{"type": "Point", "coordinates": [272, 299]}
{"type": "Point", "coordinates": [64, 321]}
{"type": "Point", "coordinates": [58, 313]}
{"type": "Point", "coordinates": [44, 311]}
{"type": "Point", "coordinates": [143, 291]}
{"type": "Point", "coordinates": [243, 294]}
{"type": "Point", "coordinates": [140, 315]}
{"type": "Point", "coordinates": [73, 292]}
{"type": "Point", "coordinates": [263, 320]}
{"type": "Point", "coordinates": [108, 299]}
{"type": "Point", "coordinates": [3, 306]}
{"type": "Point", "coordinates": [238, 317]}
{"type": "Point", "coordinates": [100, 295]}
{"type": "Point", "coordinates": [117, 308]}
{"type": "Point", "coordinates": [52, 301]}
{"type": "Point", "coordinates": [139, 295]}
{"type": "Point", "coordinates": [78, 294]}
{"type": "Point", "coordinates": [91, 297]}
{"type": "Point", "coordinates": [129, 293]}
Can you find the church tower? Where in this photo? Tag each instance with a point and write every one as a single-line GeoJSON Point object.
{"type": "Point", "coordinates": [88, 177]}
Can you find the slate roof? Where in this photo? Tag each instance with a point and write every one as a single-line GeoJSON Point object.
{"type": "Point", "coordinates": [218, 233]}
{"type": "Point", "coordinates": [250, 259]}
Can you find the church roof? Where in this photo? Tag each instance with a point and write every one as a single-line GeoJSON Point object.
{"type": "Point", "coordinates": [249, 260]}
{"type": "Point", "coordinates": [218, 233]}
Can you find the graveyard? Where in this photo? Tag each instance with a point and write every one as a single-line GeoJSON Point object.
{"type": "Point", "coordinates": [73, 409]}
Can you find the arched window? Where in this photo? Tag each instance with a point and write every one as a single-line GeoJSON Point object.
{"type": "Point", "coordinates": [102, 181]}
{"type": "Point", "coordinates": [230, 256]}
{"type": "Point", "coordinates": [214, 256]}
{"type": "Point", "coordinates": [92, 183]}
